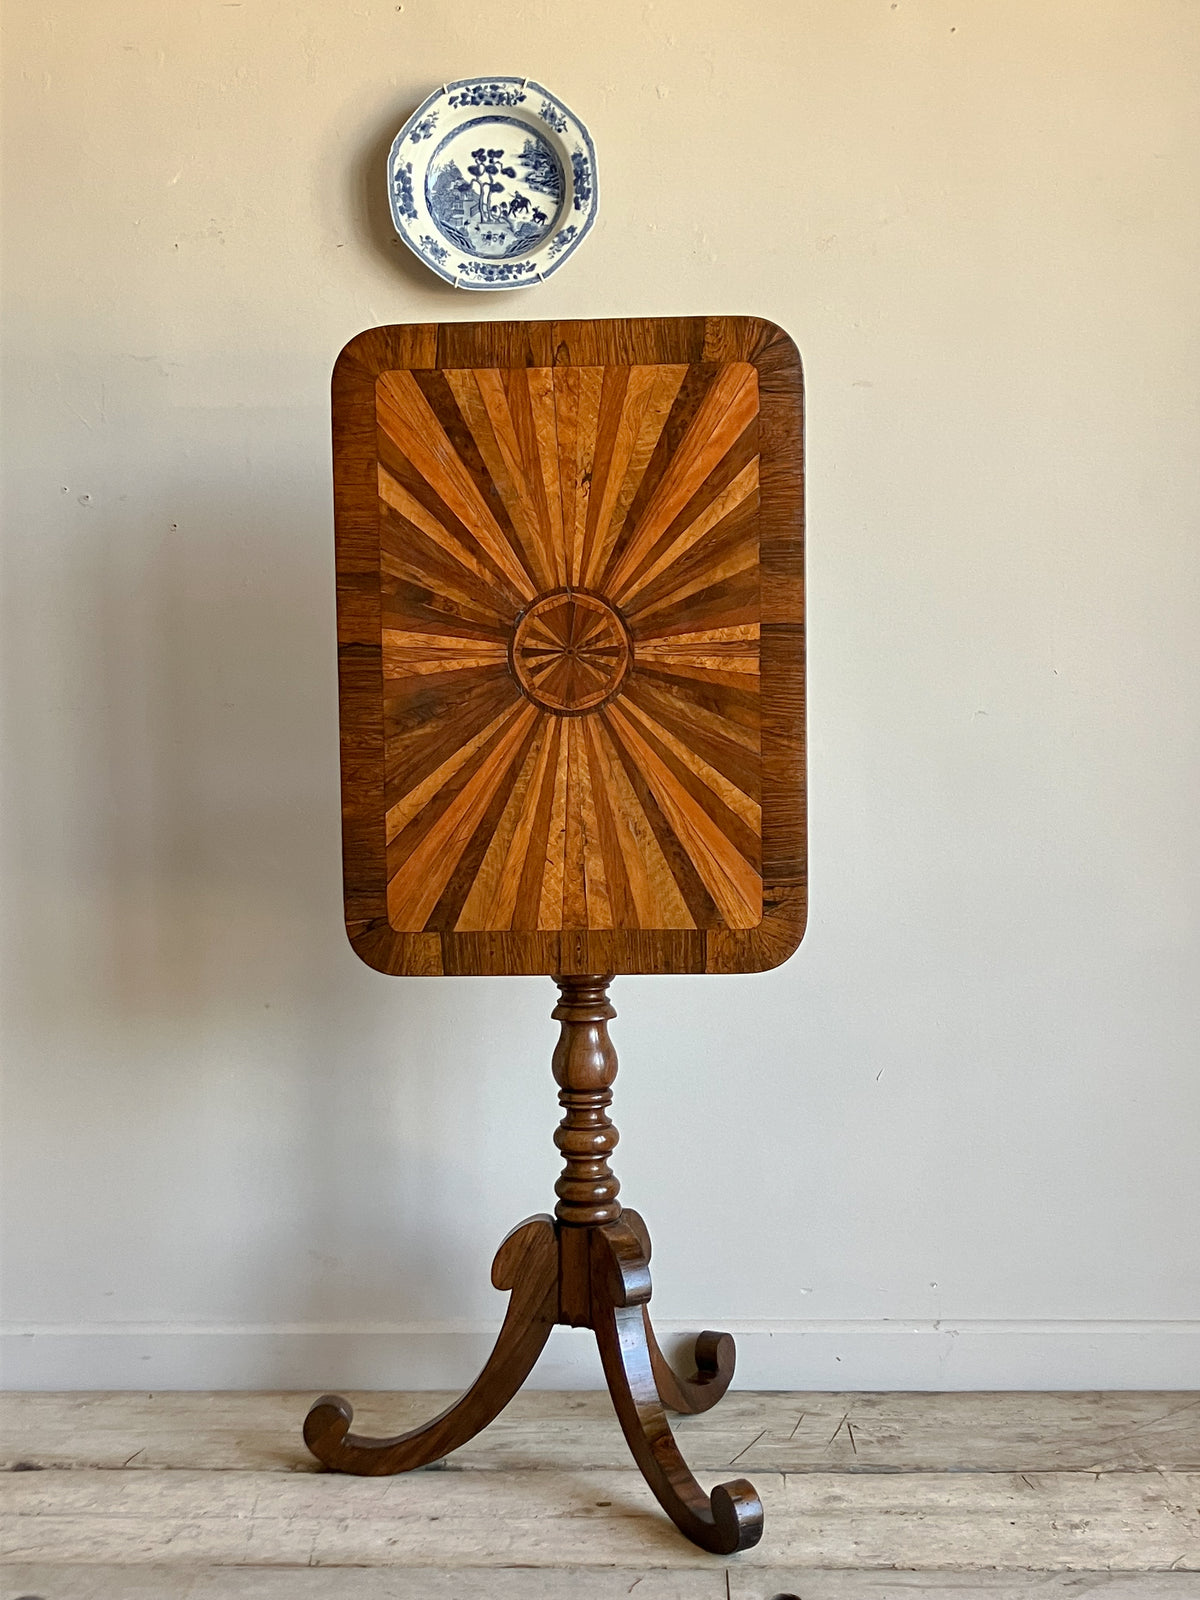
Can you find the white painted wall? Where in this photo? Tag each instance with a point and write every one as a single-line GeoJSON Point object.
{"type": "Point", "coordinates": [953, 1142]}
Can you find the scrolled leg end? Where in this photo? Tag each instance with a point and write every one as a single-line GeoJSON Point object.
{"type": "Point", "coordinates": [737, 1516]}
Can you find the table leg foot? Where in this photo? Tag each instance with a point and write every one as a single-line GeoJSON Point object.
{"type": "Point", "coordinates": [731, 1517]}
{"type": "Point", "coordinates": [527, 1265]}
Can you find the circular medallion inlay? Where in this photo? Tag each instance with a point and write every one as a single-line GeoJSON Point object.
{"type": "Point", "coordinates": [571, 651]}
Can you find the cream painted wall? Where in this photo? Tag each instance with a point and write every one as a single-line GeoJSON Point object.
{"type": "Point", "coordinates": [952, 1142]}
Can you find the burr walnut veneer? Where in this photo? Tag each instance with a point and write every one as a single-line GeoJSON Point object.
{"type": "Point", "coordinates": [570, 636]}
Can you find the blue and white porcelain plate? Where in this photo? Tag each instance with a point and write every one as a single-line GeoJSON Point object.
{"type": "Point", "coordinates": [493, 183]}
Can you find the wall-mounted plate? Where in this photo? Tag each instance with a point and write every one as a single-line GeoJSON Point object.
{"type": "Point", "coordinates": [492, 183]}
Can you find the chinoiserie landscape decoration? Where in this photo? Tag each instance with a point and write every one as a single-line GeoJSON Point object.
{"type": "Point", "coordinates": [492, 182]}
{"type": "Point", "coordinates": [570, 561]}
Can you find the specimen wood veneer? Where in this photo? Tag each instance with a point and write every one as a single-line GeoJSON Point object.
{"type": "Point", "coordinates": [570, 580]}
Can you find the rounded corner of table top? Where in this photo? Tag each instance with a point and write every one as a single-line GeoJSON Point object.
{"type": "Point", "coordinates": [571, 647]}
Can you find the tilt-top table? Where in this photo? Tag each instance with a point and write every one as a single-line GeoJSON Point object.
{"type": "Point", "coordinates": [570, 635]}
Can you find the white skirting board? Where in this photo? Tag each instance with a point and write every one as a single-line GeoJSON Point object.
{"type": "Point", "coordinates": [862, 1355]}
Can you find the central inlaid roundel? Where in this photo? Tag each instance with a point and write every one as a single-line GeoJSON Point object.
{"type": "Point", "coordinates": [570, 652]}
{"type": "Point", "coordinates": [570, 609]}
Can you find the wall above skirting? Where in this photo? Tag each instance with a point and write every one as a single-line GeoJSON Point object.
{"type": "Point", "coordinates": [234, 1155]}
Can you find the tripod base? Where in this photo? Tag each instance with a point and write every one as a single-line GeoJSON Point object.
{"type": "Point", "coordinates": [594, 1277]}
{"type": "Point", "coordinates": [588, 1266]}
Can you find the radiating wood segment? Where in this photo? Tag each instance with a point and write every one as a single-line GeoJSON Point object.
{"type": "Point", "coordinates": [570, 607]}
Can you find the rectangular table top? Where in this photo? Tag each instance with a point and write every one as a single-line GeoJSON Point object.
{"type": "Point", "coordinates": [570, 615]}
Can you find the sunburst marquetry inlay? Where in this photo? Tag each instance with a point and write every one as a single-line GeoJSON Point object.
{"type": "Point", "coordinates": [570, 595]}
{"type": "Point", "coordinates": [570, 652]}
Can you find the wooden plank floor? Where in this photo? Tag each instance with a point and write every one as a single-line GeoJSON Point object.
{"type": "Point", "coordinates": [867, 1497]}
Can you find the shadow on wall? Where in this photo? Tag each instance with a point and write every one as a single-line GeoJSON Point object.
{"type": "Point", "coordinates": [244, 1122]}
{"type": "Point", "coordinates": [378, 236]}
{"type": "Point", "coordinates": [242, 1116]}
